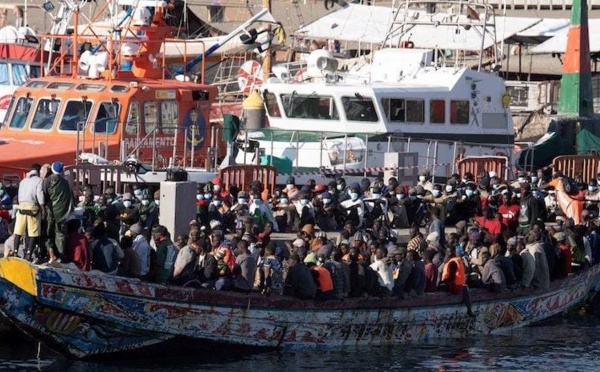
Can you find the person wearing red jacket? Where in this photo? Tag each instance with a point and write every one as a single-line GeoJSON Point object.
{"type": "Point", "coordinates": [77, 247]}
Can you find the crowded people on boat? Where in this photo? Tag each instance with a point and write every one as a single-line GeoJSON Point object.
{"type": "Point", "coordinates": [466, 233]}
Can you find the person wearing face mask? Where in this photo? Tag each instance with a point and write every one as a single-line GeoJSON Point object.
{"type": "Point", "coordinates": [129, 215]}
{"type": "Point", "coordinates": [528, 209]}
{"type": "Point", "coordinates": [148, 210]}
{"type": "Point", "coordinates": [414, 210]}
{"type": "Point", "coordinates": [327, 213]}
{"type": "Point", "coordinates": [376, 206]}
{"type": "Point", "coordinates": [509, 212]}
{"type": "Point", "coordinates": [218, 188]}
{"type": "Point", "coordinates": [397, 208]}
{"type": "Point", "coordinates": [341, 190]}
{"type": "Point", "coordinates": [469, 204]}
{"type": "Point", "coordinates": [521, 178]}
{"type": "Point", "coordinates": [425, 181]}
{"type": "Point", "coordinates": [305, 210]}
{"type": "Point", "coordinates": [592, 197]}
{"type": "Point", "coordinates": [261, 212]}
{"type": "Point", "coordinates": [215, 209]}
{"type": "Point", "coordinates": [354, 207]}
{"type": "Point", "coordinates": [290, 188]}
{"type": "Point", "coordinates": [137, 193]}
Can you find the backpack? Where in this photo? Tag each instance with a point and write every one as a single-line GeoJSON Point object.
{"type": "Point", "coordinates": [171, 257]}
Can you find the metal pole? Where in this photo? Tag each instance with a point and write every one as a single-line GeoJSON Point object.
{"type": "Point", "coordinates": [366, 153]}
{"type": "Point", "coordinates": [185, 132]}
{"type": "Point", "coordinates": [153, 149]}
{"type": "Point", "coordinates": [435, 161]}
{"type": "Point", "coordinates": [454, 157]}
{"type": "Point", "coordinates": [175, 146]}
{"type": "Point", "coordinates": [345, 150]}
{"type": "Point", "coordinates": [297, 149]}
{"type": "Point", "coordinates": [408, 145]}
{"type": "Point", "coordinates": [321, 150]}
{"type": "Point", "coordinates": [193, 127]}
{"type": "Point", "coordinates": [271, 158]}
{"type": "Point", "coordinates": [389, 144]}
{"type": "Point", "coordinates": [427, 156]}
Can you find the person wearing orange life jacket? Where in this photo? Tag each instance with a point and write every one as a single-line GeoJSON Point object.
{"type": "Point", "coordinates": [322, 277]}
{"type": "Point", "coordinates": [454, 278]}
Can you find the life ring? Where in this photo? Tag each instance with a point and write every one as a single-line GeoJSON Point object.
{"type": "Point", "coordinates": [300, 75]}
{"type": "Point", "coordinates": [250, 76]}
{"type": "Point", "coordinates": [407, 44]}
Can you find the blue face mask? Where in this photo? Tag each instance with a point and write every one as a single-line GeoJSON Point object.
{"type": "Point", "coordinates": [283, 201]}
{"type": "Point", "coordinates": [353, 196]}
{"type": "Point", "coordinates": [412, 197]}
{"type": "Point", "coordinates": [435, 193]}
{"type": "Point", "coordinates": [469, 192]}
{"type": "Point", "coordinates": [592, 188]}
{"type": "Point", "coordinates": [242, 201]}
{"type": "Point", "coordinates": [304, 202]}
{"type": "Point", "coordinates": [376, 196]}
{"type": "Point", "coordinates": [207, 196]}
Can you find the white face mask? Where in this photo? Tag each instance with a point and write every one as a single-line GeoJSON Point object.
{"type": "Point", "coordinates": [401, 196]}
{"type": "Point", "coordinates": [421, 178]}
{"type": "Point", "coordinates": [199, 196]}
{"type": "Point", "coordinates": [207, 196]}
{"type": "Point", "coordinates": [145, 202]}
{"type": "Point", "coordinates": [448, 188]}
{"type": "Point", "coordinates": [289, 187]}
{"type": "Point", "coordinates": [217, 202]}
{"type": "Point", "coordinates": [127, 203]}
{"type": "Point", "coordinates": [326, 201]}
{"type": "Point", "coordinates": [242, 201]}
{"type": "Point", "coordinates": [283, 201]}
{"type": "Point", "coordinates": [304, 202]}
{"type": "Point", "coordinates": [534, 179]}
{"type": "Point", "coordinates": [521, 179]}
{"type": "Point", "coordinates": [217, 188]}
{"type": "Point", "coordinates": [340, 187]}
{"type": "Point", "coordinates": [157, 201]}
{"type": "Point", "coordinates": [591, 188]}
{"type": "Point", "coordinates": [469, 192]}
{"type": "Point", "coordinates": [353, 196]}
{"type": "Point", "coordinates": [435, 193]}
{"type": "Point", "coordinates": [137, 193]}
{"type": "Point", "coordinates": [376, 196]}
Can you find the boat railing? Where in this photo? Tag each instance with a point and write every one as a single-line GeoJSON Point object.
{"type": "Point", "coordinates": [584, 166]}
{"type": "Point", "coordinates": [97, 177]}
{"type": "Point", "coordinates": [479, 16]}
{"type": "Point", "coordinates": [244, 175]}
{"type": "Point", "coordinates": [424, 154]}
{"type": "Point", "coordinates": [182, 154]}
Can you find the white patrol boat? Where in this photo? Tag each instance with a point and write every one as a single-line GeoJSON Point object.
{"type": "Point", "coordinates": [404, 107]}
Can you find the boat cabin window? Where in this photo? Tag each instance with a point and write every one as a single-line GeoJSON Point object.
{"type": "Point", "coordinates": [60, 86]}
{"type": "Point", "coordinates": [150, 116]}
{"type": "Point", "coordinates": [35, 72]}
{"type": "Point", "coordinates": [22, 109]}
{"type": "Point", "coordinates": [119, 89]}
{"type": "Point", "coordinates": [310, 106]}
{"type": "Point", "coordinates": [19, 74]}
{"type": "Point", "coordinates": [106, 118]}
{"type": "Point", "coordinates": [133, 119]}
{"type": "Point", "coordinates": [272, 105]}
{"type": "Point", "coordinates": [45, 113]}
{"type": "Point", "coordinates": [459, 112]}
{"type": "Point", "coordinates": [4, 74]}
{"type": "Point", "coordinates": [90, 87]}
{"type": "Point", "coordinates": [36, 84]}
{"type": "Point", "coordinates": [76, 112]}
{"type": "Point", "coordinates": [359, 108]}
{"type": "Point", "coordinates": [168, 115]}
{"type": "Point", "coordinates": [404, 110]}
{"type": "Point", "coordinates": [437, 111]}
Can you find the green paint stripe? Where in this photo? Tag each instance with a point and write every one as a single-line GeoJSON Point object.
{"type": "Point", "coordinates": [579, 11]}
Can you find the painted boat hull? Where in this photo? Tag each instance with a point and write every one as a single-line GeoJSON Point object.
{"type": "Point", "coordinates": [87, 314]}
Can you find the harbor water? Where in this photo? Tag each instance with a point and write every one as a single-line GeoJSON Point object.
{"type": "Point", "coordinates": [563, 344]}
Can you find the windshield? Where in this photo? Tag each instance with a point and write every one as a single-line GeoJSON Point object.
{"type": "Point", "coordinates": [310, 106]}
{"type": "Point", "coordinates": [45, 113]}
{"type": "Point", "coordinates": [21, 111]}
{"type": "Point", "coordinates": [106, 119]}
{"type": "Point", "coordinates": [359, 109]}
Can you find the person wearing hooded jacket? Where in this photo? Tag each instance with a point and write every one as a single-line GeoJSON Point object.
{"type": "Point", "coordinates": [59, 203]}
{"type": "Point", "coordinates": [354, 208]}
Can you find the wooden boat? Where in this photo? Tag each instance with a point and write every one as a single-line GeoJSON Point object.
{"type": "Point", "coordinates": [90, 314]}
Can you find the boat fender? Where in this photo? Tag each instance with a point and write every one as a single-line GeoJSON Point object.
{"type": "Point", "coordinates": [329, 4]}
{"type": "Point", "coordinates": [407, 44]}
{"type": "Point", "coordinates": [506, 99]}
